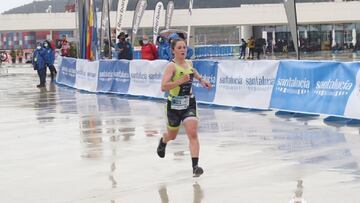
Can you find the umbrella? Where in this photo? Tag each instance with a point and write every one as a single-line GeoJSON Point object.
{"type": "Point", "coordinates": [166, 33]}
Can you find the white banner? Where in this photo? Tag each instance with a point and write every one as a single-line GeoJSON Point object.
{"type": "Point", "coordinates": [352, 109]}
{"type": "Point", "coordinates": [159, 9]}
{"type": "Point", "coordinates": [245, 84]}
{"type": "Point", "coordinates": [86, 75]}
{"type": "Point", "coordinates": [145, 77]}
{"type": "Point", "coordinates": [169, 13]}
{"type": "Point", "coordinates": [122, 5]}
{"type": "Point", "coordinates": [105, 36]}
{"type": "Point", "coordinates": [138, 14]}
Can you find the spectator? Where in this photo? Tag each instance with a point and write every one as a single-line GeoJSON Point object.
{"type": "Point", "coordinates": [20, 54]}
{"type": "Point", "coordinates": [259, 46]}
{"type": "Point", "coordinates": [243, 46]}
{"type": "Point", "coordinates": [163, 48]}
{"type": "Point", "coordinates": [13, 55]}
{"type": "Point", "coordinates": [124, 47]}
{"type": "Point", "coordinates": [38, 62]}
{"type": "Point", "coordinates": [167, 53]}
{"type": "Point", "coordinates": [49, 58]}
{"type": "Point", "coordinates": [148, 49]}
{"type": "Point", "coordinates": [251, 45]}
{"type": "Point", "coordinates": [65, 46]}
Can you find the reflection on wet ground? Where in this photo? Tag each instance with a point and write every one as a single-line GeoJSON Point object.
{"type": "Point", "coordinates": [62, 145]}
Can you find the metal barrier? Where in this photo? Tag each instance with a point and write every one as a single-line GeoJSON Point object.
{"type": "Point", "coordinates": [215, 51]}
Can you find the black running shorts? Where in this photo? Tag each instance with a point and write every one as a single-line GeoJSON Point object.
{"type": "Point", "coordinates": [175, 117]}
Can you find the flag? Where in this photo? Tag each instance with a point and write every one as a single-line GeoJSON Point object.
{"type": "Point", "coordinates": [189, 21]}
{"type": "Point", "coordinates": [105, 37]}
{"type": "Point", "coordinates": [159, 8]}
{"type": "Point", "coordinates": [120, 14]}
{"type": "Point", "coordinates": [139, 11]}
{"type": "Point", "coordinates": [190, 7]}
{"type": "Point", "coordinates": [169, 12]}
{"type": "Point", "coordinates": [91, 35]}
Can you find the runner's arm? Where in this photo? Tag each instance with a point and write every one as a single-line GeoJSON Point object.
{"type": "Point", "coordinates": [166, 83]}
{"type": "Point", "coordinates": [204, 83]}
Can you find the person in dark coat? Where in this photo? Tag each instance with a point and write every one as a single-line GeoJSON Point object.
{"type": "Point", "coordinates": [124, 47]}
{"type": "Point", "coordinates": [49, 58]}
{"type": "Point", "coordinates": [39, 64]}
{"type": "Point", "coordinates": [259, 46]}
{"type": "Point", "coordinates": [243, 46]}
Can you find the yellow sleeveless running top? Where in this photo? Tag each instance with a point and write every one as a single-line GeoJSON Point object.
{"type": "Point", "coordinates": [186, 88]}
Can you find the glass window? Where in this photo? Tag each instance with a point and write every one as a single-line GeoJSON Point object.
{"type": "Point", "coordinates": [348, 36]}
{"type": "Point", "coordinates": [326, 37]}
{"type": "Point", "coordinates": [314, 39]}
{"type": "Point", "coordinates": [303, 37]}
{"type": "Point", "coordinates": [216, 35]}
{"type": "Point", "coordinates": [357, 45]}
{"type": "Point", "coordinates": [282, 38]}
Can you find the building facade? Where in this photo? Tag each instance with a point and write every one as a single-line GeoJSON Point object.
{"type": "Point", "coordinates": [323, 25]}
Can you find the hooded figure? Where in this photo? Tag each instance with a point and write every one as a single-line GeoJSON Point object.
{"type": "Point", "coordinates": [49, 58]}
{"type": "Point", "coordinates": [163, 49]}
{"type": "Point", "coordinates": [167, 54]}
{"type": "Point", "coordinates": [39, 64]}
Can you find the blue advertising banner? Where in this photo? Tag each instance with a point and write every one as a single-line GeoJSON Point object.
{"type": "Point", "coordinates": [67, 72]}
{"type": "Point", "coordinates": [106, 76]}
{"type": "Point", "coordinates": [208, 71]}
{"type": "Point", "coordinates": [121, 77]}
{"type": "Point", "coordinates": [114, 76]}
{"type": "Point", "coordinates": [313, 87]}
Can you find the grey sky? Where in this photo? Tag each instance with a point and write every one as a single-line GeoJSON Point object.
{"type": "Point", "coordinates": [9, 4]}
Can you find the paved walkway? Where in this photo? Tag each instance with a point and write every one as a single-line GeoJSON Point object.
{"type": "Point", "coordinates": [62, 145]}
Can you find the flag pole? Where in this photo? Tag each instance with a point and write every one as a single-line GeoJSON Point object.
{"type": "Point", "coordinates": [189, 22]}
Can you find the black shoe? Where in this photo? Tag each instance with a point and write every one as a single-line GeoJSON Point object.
{"type": "Point", "coordinates": [40, 85]}
{"type": "Point", "coordinates": [161, 148]}
{"type": "Point", "coordinates": [197, 171]}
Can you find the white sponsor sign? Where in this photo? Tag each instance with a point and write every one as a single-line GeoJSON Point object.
{"type": "Point", "coordinates": [245, 84]}
{"type": "Point", "coordinates": [169, 13]}
{"type": "Point", "coordinates": [140, 9]}
{"type": "Point", "coordinates": [122, 5]}
{"type": "Point", "coordinates": [352, 109]}
{"type": "Point", "coordinates": [159, 8]}
{"type": "Point", "coordinates": [145, 77]}
{"type": "Point", "coordinates": [86, 75]}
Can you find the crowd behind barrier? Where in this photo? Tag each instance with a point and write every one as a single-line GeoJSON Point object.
{"type": "Point", "coordinates": [312, 87]}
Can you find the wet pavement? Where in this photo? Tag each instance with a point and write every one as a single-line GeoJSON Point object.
{"type": "Point", "coordinates": [63, 145]}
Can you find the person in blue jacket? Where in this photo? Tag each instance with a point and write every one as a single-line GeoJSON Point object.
{"type": "Point", "coordinates": [163, 48]}
{"type": "Point", "coordinates": [166, 49]}
{"type": "Point", "coordinates": [39, 64]}
{"type": "Point", "coordinates": [49, 58]}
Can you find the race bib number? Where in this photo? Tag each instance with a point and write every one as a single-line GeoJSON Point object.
{"type": "Point", "coordinates": [180, 102]}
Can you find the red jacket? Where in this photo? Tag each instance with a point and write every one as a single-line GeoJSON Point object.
{"type": "Point", "coordinates": [149, 52]}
